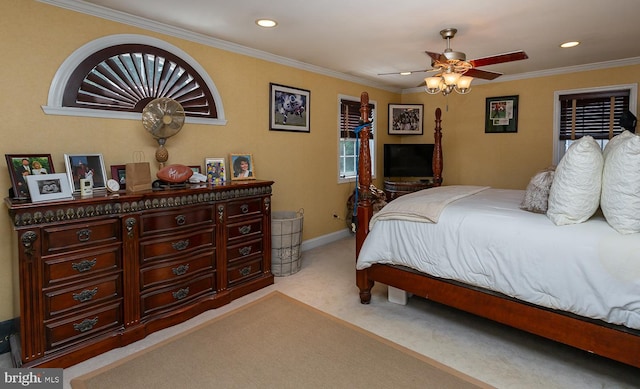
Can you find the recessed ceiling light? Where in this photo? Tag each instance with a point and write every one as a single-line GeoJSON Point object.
{"type": "Point", "coordinates": [569, 44]}
{"type": "Point", "coordinates": [267, 23]}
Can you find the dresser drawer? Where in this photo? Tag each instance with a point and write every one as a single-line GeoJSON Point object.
{"type": "Point", "coordinates": [72, 236]}
{"type": "Point", "coordinates": [177, 294]}
{"type": "Point", "coordinates": [244, 230]}
{"type": "Point", "coordinates": [67, 332]}
{"type": "Point", "coordinates": [62, 301]}
{"type": "Point", "coordinates": [80, 265]}
{"type": "Point", "coordinates": [244, 250]}
{"type": "Point", "coordinates": [176, 245]}
{"type": "Point", "coordinates": [244, 270]}
{"type": "Point", "coordinates": [175, 219]}
{"type": "Point", "coordinates": [174, 270]}
{"type": "Point", "coordinates": [248, 207]}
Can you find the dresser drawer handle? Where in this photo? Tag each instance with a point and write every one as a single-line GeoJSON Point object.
{"type": "Point", "coordinates": [245, 271]}
{"type": "Point", "coordinates": [244, 208]}
{"type": "Point", "coordinates": [182, 293]}
{"type": "Point", "coordinates": [244, 251]}
{"type": "Point", "coordinates": [84, 265]}
{"type": "Point", "coordinates": [180, 220]}
{"type": "Point", "coordinates": [244, 230]}
{"type": "Point", "coordinates": [86, 325]}
{"type": "Point", "coordinates": [84, 235]}
{"type": "Point", "coordinates": [85, 295]}
{"type": "Point", "coordinates": [180, 245]}
{"type": "Point", "coordinates": [180, 270]}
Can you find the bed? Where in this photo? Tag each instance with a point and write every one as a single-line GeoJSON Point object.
{"type": "Point", "coordinates": [572, 293]}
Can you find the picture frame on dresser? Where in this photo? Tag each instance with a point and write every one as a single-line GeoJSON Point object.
{"type": "Point", "coordinates": [85, 166]}
{"type": "Point", "coordinates": [215, 169]}
{"type": "Point", "coordinates": [49, 187]}
{"type": "Point", "coordinates": [22, 165]}
{"type": "Point", "coordinates": [119, 173]}
{"type": "Point", "coordinates": [243, 167]}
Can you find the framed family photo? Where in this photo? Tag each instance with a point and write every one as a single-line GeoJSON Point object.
{"type": "Point", "coordinates": [48, 187]}
{"type": "Point", "coordinates": [243, 167]}
{"type": "Point", "coordinates": [23, 165]}
{"type": "Point", "coordinates": [215, 170]}
{"type": "Point", "coordinates": [88, 167]}
{"type": "Point", "coordinates": [289, 108]}
{"type": "Point", "coordinates": [405, 119]}
{"type": "Point", "coordinates": [501, 114]}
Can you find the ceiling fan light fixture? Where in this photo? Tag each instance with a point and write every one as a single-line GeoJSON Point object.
{"type": "Point", "coordinates": [463, 86]}
{"type": "Point", "coordinates": [451, 78]}
{"type": "Point", "coordinates": [433, 84]}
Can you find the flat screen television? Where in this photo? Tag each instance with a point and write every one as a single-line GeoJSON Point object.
{"type": "Point", "coordinates": [408, 160]}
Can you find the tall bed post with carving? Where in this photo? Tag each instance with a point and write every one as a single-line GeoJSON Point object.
{"type": "Point", "coordinates": [364, 206]}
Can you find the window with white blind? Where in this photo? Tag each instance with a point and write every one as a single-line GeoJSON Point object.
{"type": "Point", "coordinates": [348, 121]}
{"type": "Point", "coordinates": [593, 112]}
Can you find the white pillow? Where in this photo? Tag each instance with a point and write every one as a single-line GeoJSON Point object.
{"type": "Point", "coordinates": [575, 192]}
{"type": "Point", "coordinates": [620, 199]}
{"type": "Point", "coordinates": [615, 142]}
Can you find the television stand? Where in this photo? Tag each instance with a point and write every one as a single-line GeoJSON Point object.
{"type": "Point", "coordinates": [394, 189]}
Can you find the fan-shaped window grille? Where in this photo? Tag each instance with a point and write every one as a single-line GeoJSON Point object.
{"type": "Point", "coordinates": [126, 77]}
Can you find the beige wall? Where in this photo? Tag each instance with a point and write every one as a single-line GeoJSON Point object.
{"type": "Point", "coordinates": [37, 38]}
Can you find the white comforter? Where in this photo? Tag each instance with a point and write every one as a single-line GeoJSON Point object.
{"type": "Point", "coordinates": [485, 240]}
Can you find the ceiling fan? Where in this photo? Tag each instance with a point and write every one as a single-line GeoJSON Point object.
{"type": "Point", "coordinates": [454, 64]}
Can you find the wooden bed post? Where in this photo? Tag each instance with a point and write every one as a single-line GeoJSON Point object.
{"type": "Point", "coordinates": [364, 206]}
{"type": "Point", "coordinates": [437, 162]}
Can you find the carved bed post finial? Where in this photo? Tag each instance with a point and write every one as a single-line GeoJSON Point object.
{"type": "Point", "coordinates": [437, 150]}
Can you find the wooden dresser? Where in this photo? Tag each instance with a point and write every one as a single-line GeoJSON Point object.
{"type": "Point", "coordinates": [102, 272]}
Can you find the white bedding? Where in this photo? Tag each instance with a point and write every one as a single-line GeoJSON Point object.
{"type": "Point", "coordinates": [486, 240]}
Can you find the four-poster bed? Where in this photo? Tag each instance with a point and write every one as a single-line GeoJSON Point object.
{"type": "Point", "coordinates": [614, 341]}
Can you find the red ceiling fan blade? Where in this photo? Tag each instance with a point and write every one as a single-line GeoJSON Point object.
{"type": "Point", "coordinates": [437, 57]}
{"type": "Point", "coordinates": [484, 74]}
{"type": "Point", "coordinates": [408, 71]}
{"type": "Point", "coordinates": [500, 58]}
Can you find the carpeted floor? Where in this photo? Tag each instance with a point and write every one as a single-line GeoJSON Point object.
{"type": "Point", "coordinates": [276, 342]}
{"type": "Point", "coordinates": [493, 353]}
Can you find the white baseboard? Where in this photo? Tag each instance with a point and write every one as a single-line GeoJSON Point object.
{"type": "Point", "coordinates": [325, 239]}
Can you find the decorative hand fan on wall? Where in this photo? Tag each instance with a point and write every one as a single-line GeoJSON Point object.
{"type": "Point", "coordinates": [163, 118]}
{"type": "Point", "coordinates": [455, 72]}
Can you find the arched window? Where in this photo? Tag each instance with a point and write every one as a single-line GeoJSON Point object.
{"type": "Point", "coordinates": [118, 76]}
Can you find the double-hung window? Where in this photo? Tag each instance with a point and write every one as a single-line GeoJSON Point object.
{"type": "Point", "coordinates": [348, 144]}
{"type": "Point", "coordinates": [593, 112]}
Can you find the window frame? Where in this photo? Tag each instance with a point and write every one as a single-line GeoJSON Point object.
{"type": "Point", "coordinates": [372, 141]}
{"type": "Point", "coordinates": [65, 71]}
{"type": "Point", "coordinates": [559, 146]}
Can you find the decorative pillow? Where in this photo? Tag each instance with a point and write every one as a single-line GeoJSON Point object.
{"type": "Point", "coordinates": [536, 197]}
{"type": "Point", "coordinates": [575, 192]}
{"type": "Point", "coordinates": [620, 200]}
{"type": "Point", "coordinates": [615, 141]}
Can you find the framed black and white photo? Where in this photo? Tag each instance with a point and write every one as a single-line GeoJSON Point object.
{"type": "Point", "coordinates": [119, 173]}
{"type": "Point", "coordinates": [289, 108]}
{"type": "Point", "coordinates": [501, 114]}
{"type": "Point", "coordinates": [243, 167]}
{"type": "Point", "coordinates": [405, 119]}
{"type": "Point", "coordinates": [85, 166]}
{"type": "Point", "coordinates": [48, 187]}
{"type": "Point", "coordinates": [23, 165]}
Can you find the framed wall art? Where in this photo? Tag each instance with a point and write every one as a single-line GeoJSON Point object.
{"type": "Point", "coordinates": [48, 187]}
{"type": "Point", "coordinates": [215, 169]}
{"type": "Point", "coordinates": [289, 108]}
{"type": "Point", "coordinates": [88, 167]}
{"type": "Point", "coordinates": [119, 173]}
{"type": "Point", "coordinates": [22, 165]}
{"type": "Point", "coordinates": [243, 167]}
{"type": "Point", "coordinates": [501, 114]}
{"type": "Point", "coordinates": [405, 119]}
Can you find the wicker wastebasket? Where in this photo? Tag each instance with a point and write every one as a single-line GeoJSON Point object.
{"type": "Point", "coordinates": [286, 237]}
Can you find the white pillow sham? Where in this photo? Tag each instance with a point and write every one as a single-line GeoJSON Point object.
{"type": "Point", "coordinates": [620, 199]}
{"type": "Point", "coordinates": [575, 192]}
